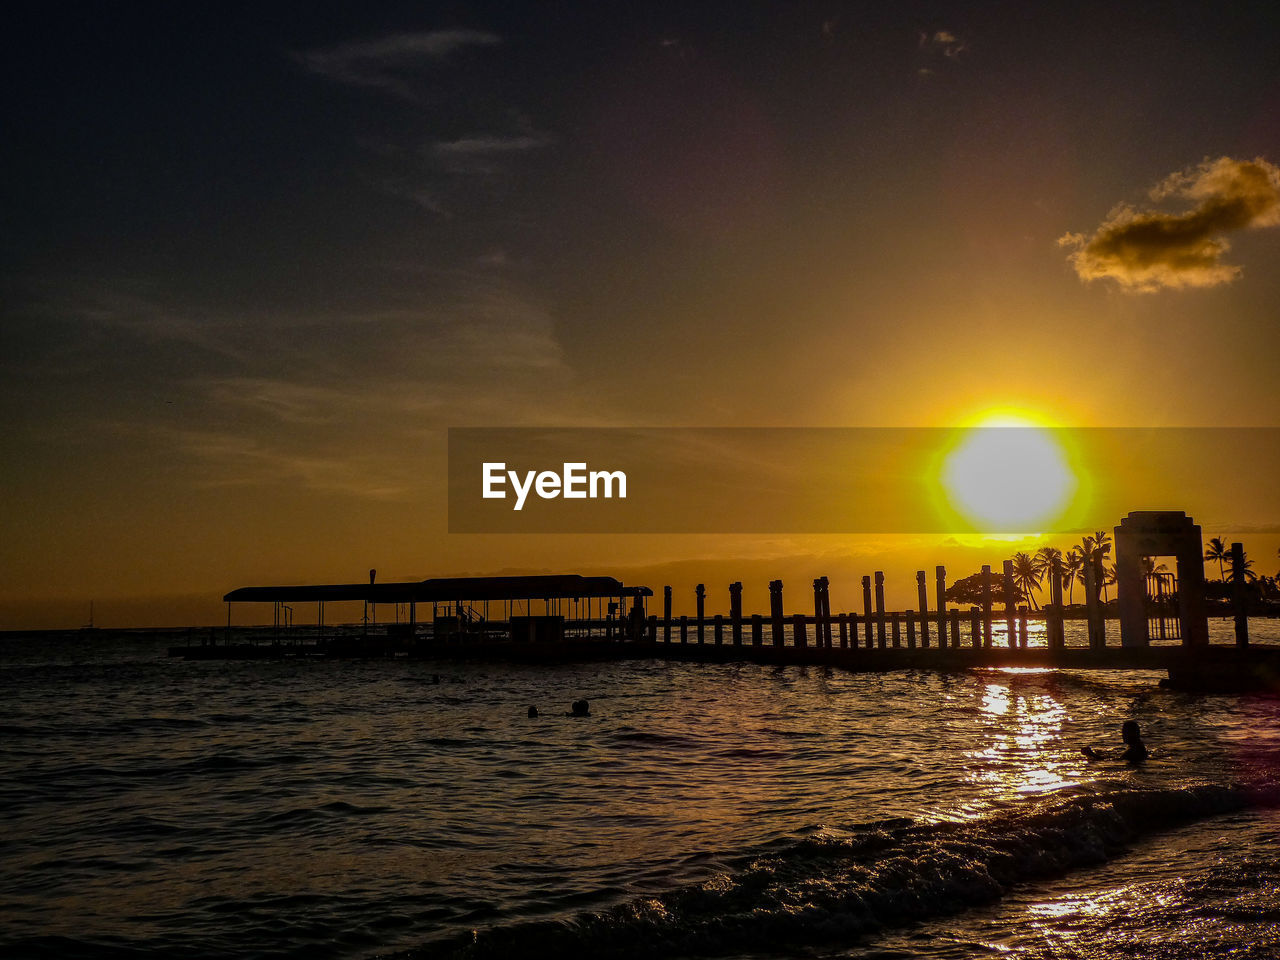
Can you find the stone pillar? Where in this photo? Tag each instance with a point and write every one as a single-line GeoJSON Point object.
{"type": "Point", "coordinates": [1056, 637]}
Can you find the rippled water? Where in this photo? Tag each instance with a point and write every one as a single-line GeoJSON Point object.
{"type": "Point", "coordinates": [353, 809]}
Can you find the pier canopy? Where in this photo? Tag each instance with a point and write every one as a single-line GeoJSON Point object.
{"type": "Point", "coordinates": [445, 590]}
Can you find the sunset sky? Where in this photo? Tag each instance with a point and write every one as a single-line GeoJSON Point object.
{"type": "Point", "coordinates": [258, 258]}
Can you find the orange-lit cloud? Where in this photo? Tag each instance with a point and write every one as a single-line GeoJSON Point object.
{"type": "Point", "coordinates": [1149, 250]}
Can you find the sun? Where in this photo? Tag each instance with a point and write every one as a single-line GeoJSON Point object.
{"type": "Point", "coordinates": [1008, 473]}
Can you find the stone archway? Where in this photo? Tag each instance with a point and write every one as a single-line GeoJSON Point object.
{"type": "Point", "coordinates": [1159, 533]}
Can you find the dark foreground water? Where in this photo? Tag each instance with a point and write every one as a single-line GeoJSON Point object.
{"type": "Point", "coordinates": [352, 809]}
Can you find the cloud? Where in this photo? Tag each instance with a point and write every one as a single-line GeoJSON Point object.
{"type": "Point", "coordinates": [388, 63]}
{"type": "Point", "coordinates": [1149, 250]}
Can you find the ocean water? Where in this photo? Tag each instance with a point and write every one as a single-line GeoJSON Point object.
{"type": "Point", "coordinates": [154, 807]}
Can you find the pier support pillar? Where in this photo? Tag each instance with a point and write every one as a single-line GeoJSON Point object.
{"type": "Point", "coordinates": [666, 614]}
{"type": "Point", "coordinates": [735, 612]}
{"type": "Point", "coordinates": [923, 592]}
{"type": "Point", "coordinates": [880, 609]}
{"type": "Point", "coordinates": [775, 612]}
{"type": "Point", "coordinates": [866, 609]}
{"type": "Point", "coordinates": [1239, 598]}
{"type": "Point", "coordinates": [986, 604]}
{"type": "Point", "coordinates": [701, 591]}
{"type": "Point", "coordinates": [1053, 616]}
{"type": "Point", "coordinates": [940, 575]}
{"type": "Point", "coordinates": [1009, 623]}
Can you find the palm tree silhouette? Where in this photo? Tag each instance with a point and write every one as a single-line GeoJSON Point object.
{"type": "Point", "coordinates": [1072, 567]}
{"type": "Point", "coordinates": [1044, 565]}
{"type": "Point", "coordinates": [1219, 551]}
{"type": "Point", "coordinates": [1026, 575]}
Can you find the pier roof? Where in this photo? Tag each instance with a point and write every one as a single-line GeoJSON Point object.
{"type": "Point", "coordinates": [446, 589]}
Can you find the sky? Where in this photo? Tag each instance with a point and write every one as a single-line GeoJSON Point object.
{"type": "Point", "coordinates": [257, 259]}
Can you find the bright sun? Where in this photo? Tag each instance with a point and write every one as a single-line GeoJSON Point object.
{"type": "Point", "coordinates": [1008, 474]}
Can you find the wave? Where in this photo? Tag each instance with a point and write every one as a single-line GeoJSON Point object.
{"type": "Point", "coordinates": [834, 887]}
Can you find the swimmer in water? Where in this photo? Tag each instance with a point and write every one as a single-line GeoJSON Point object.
{"type": "Point", "coordinates": [1135, 751]}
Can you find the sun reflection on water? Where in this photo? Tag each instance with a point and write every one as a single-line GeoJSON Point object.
{"type": "Point", "coordinates": [1021, 751]}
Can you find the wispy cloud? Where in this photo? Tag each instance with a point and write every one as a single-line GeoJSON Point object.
{"type": "Point", "coordinates": [390, 62]}
{"type": "Point", "coordinates": [1148, 250]}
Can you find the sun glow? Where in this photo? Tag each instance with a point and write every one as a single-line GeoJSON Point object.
{"type": "Point", "coordinates": [1008, 473]}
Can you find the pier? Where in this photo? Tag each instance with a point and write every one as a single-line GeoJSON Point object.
{"type": "Point", "coordinates": [573, 618]}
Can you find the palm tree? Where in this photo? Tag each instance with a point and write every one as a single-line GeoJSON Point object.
{"type": "Point", "coordinates": [1026, 576]}
{"type": "Point", "coordinates": [1150, 568]}
{"type": "Point", "coordinates": [1044, 565]}
{"type": "Point", "coordinates": [1219, 551]}
{"type": "Point", "coordinates": [1072, 566]}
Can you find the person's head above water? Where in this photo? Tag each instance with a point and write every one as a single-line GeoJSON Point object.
{"type": "Point", "coordinates": [581, 708]}
{"type": "Point", "coordinates": [1130, 733]}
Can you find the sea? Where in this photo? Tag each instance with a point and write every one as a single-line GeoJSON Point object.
{"type": "Point", "coordinates": [153, 807]}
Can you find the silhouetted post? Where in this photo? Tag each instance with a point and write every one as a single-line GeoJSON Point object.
{"type": "Point", "coordinates": [701, 591]}
{"type": "Point", "coordinates": [911, 629]}
{"type": "Point", "coordinates": [986, 605]}
{"type": "Point", "coordinates": [1022, 627]}
{"type": "Point", "coordinates": [1093, 604]}
{"type": "Point", "coordinates": [819, 634]}
{"type": "Point", "coordinates": [844, 631]}
{"type": "Point", "coordinates": [1053, 616]}
{"type": "Point", "coordinates": [955, 629]}
{"type": "Point", "coordinates": [880, 609]}
{"type": "Point", "coordinates": [975, 626]}
{"type": "Point", "coordinates": [826, 612]}
{"type": "Point", "coordinates": [735, 611]}
{"type": "Point", "coordinates": [940, 575]}
{"type": "Point", "coordinates": [923, 593]}
{"type": "Point", "coordinates": [718, 629]}
{"type": "Point", "coordinates": [866, 609]}
{"type": "Point", "coordinates": [1009, 624]}
{"type": "Point", "coordinates": [653, 628]}
{"type": "Point", "coordinates": [797, 628]}
{"type": "Point", "coordinates": [666, 614]}
{"type": "Point", "coordinates": [757, 629]}
{"type": "Point", "coordinates": [684, 628]}
{"type": "Point", "coordinates": [775, 612]}
{"type": "Point", "coordinates": [1239, 598]}
{"type": "Point", "coordinates": [896, 624]}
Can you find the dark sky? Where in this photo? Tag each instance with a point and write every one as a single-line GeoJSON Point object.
{"type": "Point", "coordinates": [257, 257]}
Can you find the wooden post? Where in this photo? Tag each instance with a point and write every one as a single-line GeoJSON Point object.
{"type": "Point", "coordinates": [735, 611]}
{"type": "Point", "coordinates": [775, 612]}
{"type": "Point", "coordinates": [880, 609]}
{"type": "Point", "coordinates": [826, 612]}
{"type": "Point", "coordinates": [1053, 616]}
{"type": "Point", "coordinates": [844, 631]}
{"type": "Point", "coordinates": [718, 633]}
{"type": "Point", "coordinates": [757, 629]}
{"type": "Point", "coordinates": [895, 621]}
{"type": "Point", "coordinates": [1093, 603]}
{"type": "Point", "coordinates": [1022, 627]}
{"type": "Point", "coordinates": [684, 628]}
{"type": "Point", "coordinates": [666, 614]}
{"type": "Point", "coordinates": [955, 629]}
{"type": "Point", "coordinates": [653, 628]}
{"type": "Point", "coordinates": [797, 628]}
{"type": "Point", "coordinates": [1239, 596]}
{"type": "Point", "coordinates": [701, 591]}
{"type": "Point", "coordinates": [866, 609]}
{"type": "Point", "coordinates": [911, 629]}
{"type": "Point", "coordinates": [923, 593]}
{"type": "Point", "coordinates": [819, 634]}
{"type": "Point", "coordinates": [986, 605]}
{"type": "Point", "coordinates": [1009, 622]}
{"type": "Point", "coordinates": [940, 576]}
{"type": "Point", "coordinates": [975, 626]}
